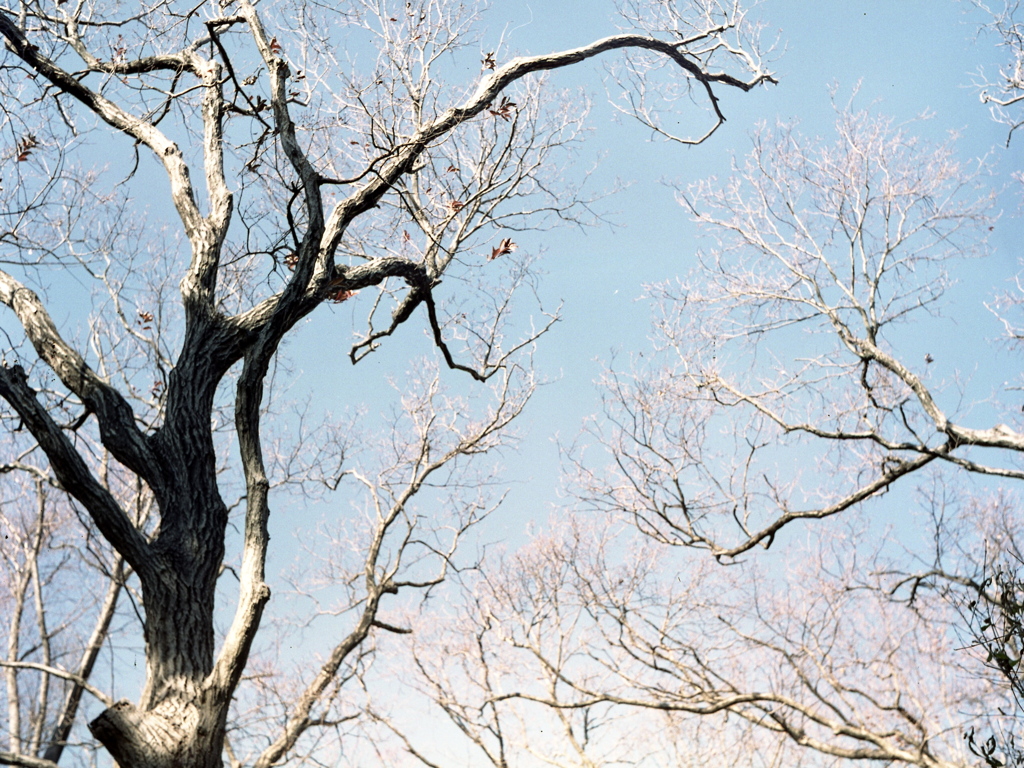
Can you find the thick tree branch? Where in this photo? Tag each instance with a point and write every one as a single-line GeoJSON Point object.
{"type": "Point", "coordinates": [253, 590]}
{"type": "Point", "coordinates": [71, 470]}
{"type": "Point", "coordinates": [116, 419]}
{"type": "Point", "coordinates": [199, 285]}
{"type": "Point", "coordinates": [279, 74]}
{"type": "Point", "coordinates": [25, 761]}
{"type": "Point", "coordinates": [490, 87]}
{"type": "Point", "coordinates": [1000, 436]}
{"type": "Point", "coordinates": [63, 674]}
{"type": "Point", "coordinates": [766, 535]}
{"type": "Point", "coordinates": [166, 150]}
{"type": "Point", "coordinates": [372, 272]}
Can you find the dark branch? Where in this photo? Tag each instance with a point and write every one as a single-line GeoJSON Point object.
{"type": "Point", "coordinates": [71, 470]}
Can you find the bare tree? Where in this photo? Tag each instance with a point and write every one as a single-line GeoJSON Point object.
{"type": "Point", "coordinates": [53, 588]}
{"type": "Point", "coordinates": [786, 340]}
{"type": "Point", "coordinates": [71, 595]}
{"type": "Point", "coordinates": [392, 545]}
{"type": "Point", "coordinates": [989, 607]}
{"type": "Point", "coordinates": [1005, 92]}
{"type": "Point", "coordinates": [585, 649]}
{"type": "Point", "coordinates": [321, 179]}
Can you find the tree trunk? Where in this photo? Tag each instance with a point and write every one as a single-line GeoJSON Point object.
{"type": "Point", "coordinates": [180, 718]}
{"type": "Point", "coordinates": [184, 730]}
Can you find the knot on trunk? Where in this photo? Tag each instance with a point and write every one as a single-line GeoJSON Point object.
{"type": "Point", "coordinates": [170, 735]}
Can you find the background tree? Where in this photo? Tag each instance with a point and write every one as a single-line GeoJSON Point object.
{"type": "Point", "coordinates": [390, 175]}
{"type": "Point", "coordinates": [781, 391]}
{"type": "Point", "coordinates": [837, 246]}
{"type": "Point", "coordinates": [587, 648]}
{"type": "Point", "coordinates": [792, 341]}
{"type": "Point", "coordinates": [1004, 93]}
{"type": "Point", "coordinates": [991, 609]}
{"type": "Point", "coordinates": [47, 663]}
{"type": "Point", "coordinates": [991, 604]}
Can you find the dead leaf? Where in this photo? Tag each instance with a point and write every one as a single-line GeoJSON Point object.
{"type": "Point", "coordinates": [504, 109]}
{"type": "Point", "coordinates": [341, 295]}
{"type": "Point", "coordinates": [506, 246]}
{"type": "Point", "coordinates": [25, 147]}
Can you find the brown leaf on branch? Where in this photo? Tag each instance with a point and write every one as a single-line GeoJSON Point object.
{"type": "Point", "coordinates": [120, 49]}
{"type": "Point", "coordinates": [504, 109]}
{"type": "Point", "coordinates": [25, 147]}
{"type": "Point", "coordinates": [488, 61]}
{"type": "Point", "coordinates": [291, 261]}
{"type": "Point", "coordinates": [275, 47]}
{"type": "Point", "coordinates": [145, 320]}
{"type": "Point", "coordinates": [506, 246]}
{"type": "Point", "coordinates": [451, 169]}
{"type": "Point", "coordinates": [341, 295]}
{"type": "Point", "coordinates": [337, 293]}
{"type": "Point", "coordinates": [455, 206]}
